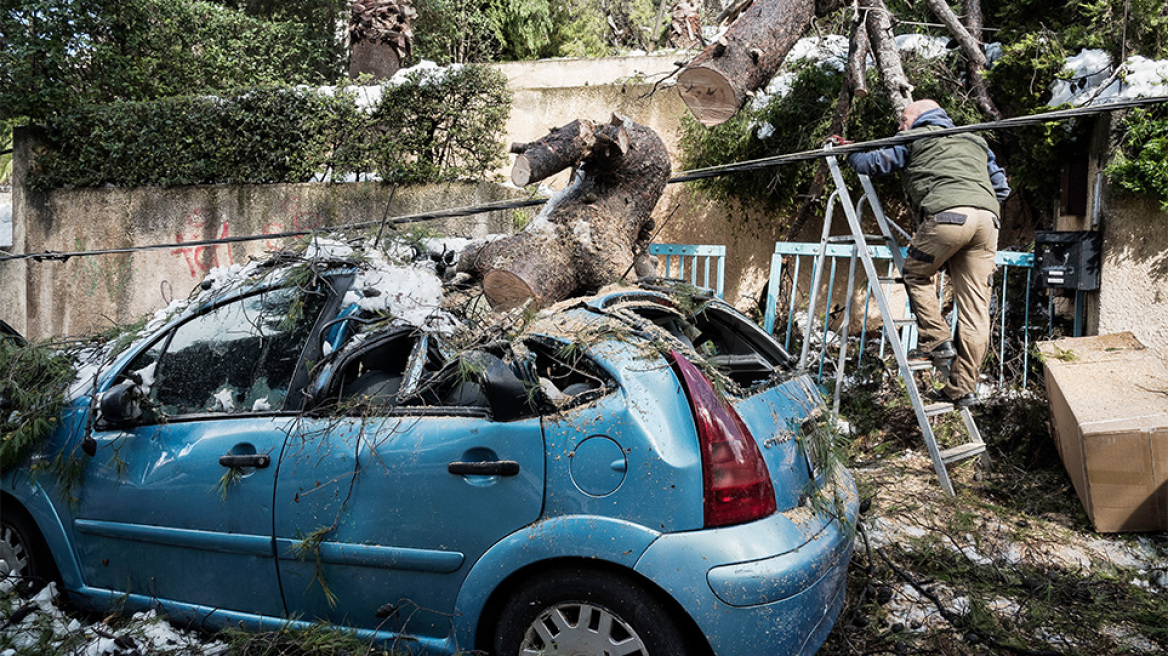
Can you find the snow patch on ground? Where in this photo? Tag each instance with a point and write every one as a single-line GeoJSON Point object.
{"type": "Point", "coordinates": [46, 625]}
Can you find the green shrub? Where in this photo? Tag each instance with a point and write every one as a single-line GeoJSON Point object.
{"type": "Point", "coordinates": [1141, 164]}
{"type": "Point", "coordinates": [454, 31]}
{"type": "Point", "coordinates": [60, 54]}
{"type": "Point", "coordinates": [587, 28]}
{"type": "Point", "coordinates": [801, 120]}
{"type": "Point", "coordinates": [434, 126]}
{"type": "Point", "coordinates": [442, 128]}
{"type": "Point", "coordinates": [262, 135]}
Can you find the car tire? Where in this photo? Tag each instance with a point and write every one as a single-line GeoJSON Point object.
{"type": "Point", "coordinates": [581, 611]}
{"type": "Point", "coordinates": [22, 552]}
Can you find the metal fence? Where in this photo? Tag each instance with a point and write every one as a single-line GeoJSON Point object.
{"type": "Point", "coordinates": [792, 258]}
{"type": "Point", "coordinates": [684, 261]}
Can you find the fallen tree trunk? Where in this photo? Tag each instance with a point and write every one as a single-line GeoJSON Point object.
{"type": "Point", "coordinates": [587, 236]}
{"type": "Point", "coordinates": [977, 81]}
{"type": "Point", "coordinates": [717, 82]}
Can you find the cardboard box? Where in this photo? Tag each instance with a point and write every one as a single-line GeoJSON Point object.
{"type": "Point", "coordinates": [1109, 407]}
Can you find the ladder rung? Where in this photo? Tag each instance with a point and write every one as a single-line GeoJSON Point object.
{"type": "Point", "coordinates": [906, 321]}
{"type": "Point", "coordinates": [963, 452]}
{"type": "Point", "coordinates": [919, 365]}
{"type": "Point", "coordinates": [841, 239]}
{"type": "Point", "coordinates": [934, 409]}
{"type": "Point", "coordinates": [897, 280]}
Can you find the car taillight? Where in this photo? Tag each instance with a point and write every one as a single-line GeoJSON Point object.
{"type": "Point", "coordinates": [738, 487]}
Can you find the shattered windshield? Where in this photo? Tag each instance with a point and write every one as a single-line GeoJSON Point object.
{"type": "Point", "coordinates": [239, 357]}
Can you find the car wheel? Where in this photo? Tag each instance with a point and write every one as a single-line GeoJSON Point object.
{"type": "Point", "coordinates": [588, 613]}
{"type": "Point", "coordinates": [21, 554]}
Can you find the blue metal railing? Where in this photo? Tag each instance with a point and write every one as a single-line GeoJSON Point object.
{"type": "Point", "coordinates": [684, 261]}
{"type": "Point", "coordinates": [795, 253]}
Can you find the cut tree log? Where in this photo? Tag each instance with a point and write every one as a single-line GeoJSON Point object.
{"type": "Point", "coordinates": [718, 81]}
{"type": "Point", "coordinates": [590, 233]}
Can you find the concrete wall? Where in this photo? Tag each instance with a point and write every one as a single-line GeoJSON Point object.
{"type": "Point", "coordinates": [92, 293]}
{"type": "Point", "coordinates": [1133, 293]}
{"type": "Point", "coordinates": [89, 294]}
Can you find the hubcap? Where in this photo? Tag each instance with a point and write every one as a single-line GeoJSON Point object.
{"type": "Point", "coordinates": [577, 629]}
{"type": "Point", "coordinates": [13, 553]}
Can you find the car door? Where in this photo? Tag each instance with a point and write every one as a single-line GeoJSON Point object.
{"type": "Point", "coordinates": [178, 505]}
{"type": "Point", "coordinates": [389, 495]}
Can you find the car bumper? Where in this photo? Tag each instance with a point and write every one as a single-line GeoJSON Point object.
{"type": "Point", "coordinates": [774, 586]}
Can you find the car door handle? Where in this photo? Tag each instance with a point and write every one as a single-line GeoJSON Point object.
{"type": "Point", "coordinates": [485, 468]}
{"type": "Point", "coordinates": [257, 460]}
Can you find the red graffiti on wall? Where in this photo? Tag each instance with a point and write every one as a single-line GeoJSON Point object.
{"type": "Point", "coordinates": [203, 258]}
{"type": "Point", "coordinates": [298, 219]}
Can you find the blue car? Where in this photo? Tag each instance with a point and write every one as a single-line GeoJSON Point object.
{"type": "Point", "coordinates": [639, 472]}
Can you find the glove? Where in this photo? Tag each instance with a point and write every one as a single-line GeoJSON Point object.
{"type": "Point", "coordinates": [837, 140]}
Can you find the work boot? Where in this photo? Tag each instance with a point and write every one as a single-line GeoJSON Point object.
{"type": "Point", "coordinates": [939, 353]}
{"type": "Point", "coordinates": [964, 401]}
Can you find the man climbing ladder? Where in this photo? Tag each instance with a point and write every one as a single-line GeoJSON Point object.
{"type": "Point", "coordinates": [955, 186]}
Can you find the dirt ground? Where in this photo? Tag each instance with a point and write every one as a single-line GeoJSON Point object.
{"type": "Point", "coordinates": [1011, 565]}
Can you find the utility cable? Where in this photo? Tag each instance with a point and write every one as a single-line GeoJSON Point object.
{"type": "Point", "coordinates": [683, 176]}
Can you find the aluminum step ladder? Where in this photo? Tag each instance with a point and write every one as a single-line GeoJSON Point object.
{"type": "Point", "coordinates": [975, 447]}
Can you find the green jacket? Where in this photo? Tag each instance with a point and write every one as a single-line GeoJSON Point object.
{"type": "Point", "coordinates": [957, 170]}
{"type": "Point", "coordinates": [948, 172]}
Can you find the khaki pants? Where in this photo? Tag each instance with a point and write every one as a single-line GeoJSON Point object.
{"type": "Point", "coordinates": [966, 238]}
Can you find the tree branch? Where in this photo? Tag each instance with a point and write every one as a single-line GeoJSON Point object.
{"type": "Point", "coordinates": [879, 24]}
{"type": "Point", "coordinates": [969, 46]}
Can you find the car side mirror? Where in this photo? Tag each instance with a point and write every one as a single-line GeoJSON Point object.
{"type": "Point", "coordinates": [122, 403]}
{"type": "Point", "coordinates": [505, 391]}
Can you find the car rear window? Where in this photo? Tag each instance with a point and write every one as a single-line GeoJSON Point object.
{"type": "Point", "coordinates": [738, 348]}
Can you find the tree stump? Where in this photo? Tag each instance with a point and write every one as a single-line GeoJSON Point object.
{"type": "Point", "coordinates": [589, 234]}
{"type": "Point", "coordinates": [381, 34]}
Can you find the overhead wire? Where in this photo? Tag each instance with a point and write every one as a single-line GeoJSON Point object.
{"type": "Point", "coordinates": [684, 176]}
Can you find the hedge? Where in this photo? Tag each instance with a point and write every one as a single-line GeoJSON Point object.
{"type": "Point", "coordinates": [59, 54]}
{"type": "Point", "coordinates": [434, 126]}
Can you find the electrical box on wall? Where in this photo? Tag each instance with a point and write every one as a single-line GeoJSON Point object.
{"type": "Point", "coordinates": [1069, 259]}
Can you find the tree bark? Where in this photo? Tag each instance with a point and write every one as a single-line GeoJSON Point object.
{"type": "Point", "coordinates": [381, 36]}
{"type": "Point", "coordinates": [896, 84]}
{"type": "Point", "coordinates": [855, 76]}
{"type": "Point", "coordinates": [969, 46]}
{"type": "Point", "coordinates": [588, 235]}
{"type": "Point", "coordinates": [716, 83]}
{"type": "Point", "coordinates": [977, 83]}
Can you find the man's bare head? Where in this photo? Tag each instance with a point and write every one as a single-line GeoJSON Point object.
{"type": "Point", "coordinates": [914, 110]}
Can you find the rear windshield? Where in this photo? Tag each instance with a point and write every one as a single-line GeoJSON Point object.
{"type": "Point", "coordinates": [738, 348]}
